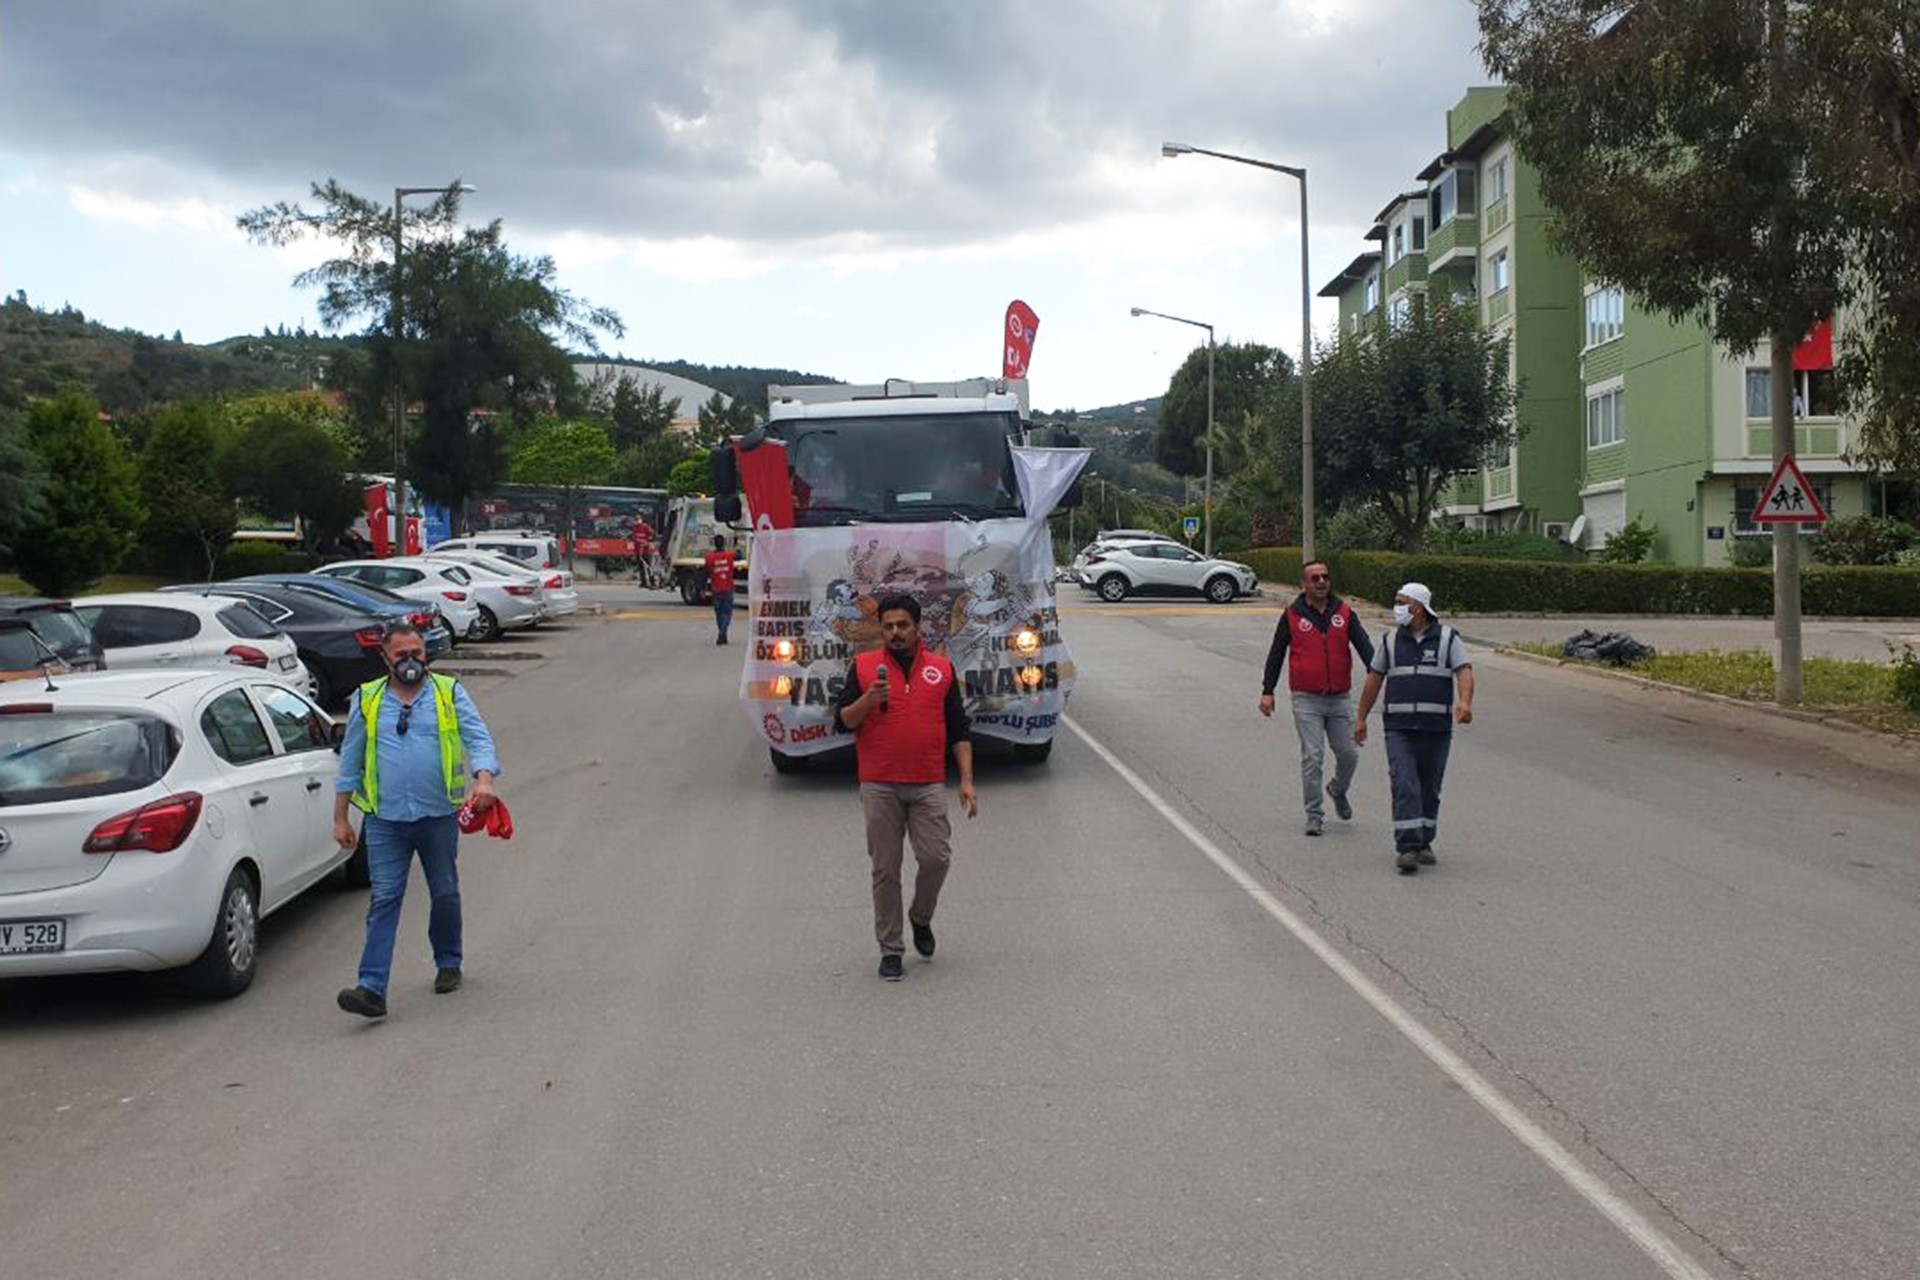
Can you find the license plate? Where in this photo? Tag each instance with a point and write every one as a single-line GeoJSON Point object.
{"type": "Point", "coordinates": [288, 662]}
{"type": "Point", "coordinates": [28, 937]}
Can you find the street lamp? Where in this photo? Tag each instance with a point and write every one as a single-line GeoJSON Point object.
{"type": "Point", "coordinates": [400, 386]}
{"type": "Point", "coordinates": [1206, 493]}
{"type": "Point", "coordinates": [1173, 150]}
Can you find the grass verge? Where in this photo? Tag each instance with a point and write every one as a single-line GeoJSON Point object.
{"type": "Point", "coordinates": [13, 585]}
{"type": "Point", "coordinates": [1864, 693]}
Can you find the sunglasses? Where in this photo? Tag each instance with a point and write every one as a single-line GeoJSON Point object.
{"type": "Point", "coordinates": [1316, 577]}
{"type": "Point", "coordinates": [406, 714]}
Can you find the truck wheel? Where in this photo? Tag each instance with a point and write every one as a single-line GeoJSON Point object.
{"type": "Point", "coordinates": [1112, 588]}
{"type": "Point", "coordinates": [689, 589]}
{"type": "Point", "coordinates": [784, 763]}
{"type": "Point", "coordinates": [1221, 590]}
{"type": "Point", "coordinates": [1033, 752]}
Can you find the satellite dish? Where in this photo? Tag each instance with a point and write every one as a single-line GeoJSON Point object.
{"type": "Point", "coordinates": [1576, 530]}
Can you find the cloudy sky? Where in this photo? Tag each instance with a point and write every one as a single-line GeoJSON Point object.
{"type": "Point", "coordinates": [850, 187]}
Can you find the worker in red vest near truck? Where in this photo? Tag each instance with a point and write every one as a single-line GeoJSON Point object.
{"type": "Point", "coordinates": [1316, 638]}
{"type": "Point", "coordinates": [904, 706]}
{"type": "Point", "coordinates": [720, 570]}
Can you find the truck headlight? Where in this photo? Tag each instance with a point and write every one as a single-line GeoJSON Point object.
{"type": "Point", "coordinates": [1032, 676]}
{"type": "Point", "coordinates": [1026, 642]}
{"type": "Point", "coordinates": [784, 650]}
{"type": "Point", "coordinates": [782, 686]}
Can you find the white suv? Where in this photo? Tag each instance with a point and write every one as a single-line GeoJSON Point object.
{"type": "Point", "coordinates": [1166, 568]}
{"type": "Point", "coordinates": [534, 550]}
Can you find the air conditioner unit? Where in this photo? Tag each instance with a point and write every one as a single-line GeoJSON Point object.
{"type": "Point", "coordinates": [1555, 529]}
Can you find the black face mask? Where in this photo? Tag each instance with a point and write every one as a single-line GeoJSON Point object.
{"type": "Point", "coordinates": [409, 671]}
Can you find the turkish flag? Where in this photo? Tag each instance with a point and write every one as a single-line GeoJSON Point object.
{"type": "Point", "coordinates": [1022, 325]}
{"type": "Point", "coordinates": [379, 527]}
{"type": "Point", "coordinates": [1816, 349]}
{"type": "Point", "coordinates": [763, 474]}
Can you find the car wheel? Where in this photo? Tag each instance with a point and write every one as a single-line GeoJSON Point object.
{"type": "Point", "coordinates": [1221, 590]}
{"type": "Point", "coordinates": [486, 627]}
{"type": "Point", "coordinates": [225, 968]}
{"type": "Point", "coordinates": [1033, 752]}
{"type": "Point", "coordinates": [355, 870]}
{"type": "Point", "coordinates": [784, 763]}
{"type": "Point", "coordinates": [1112, 588]}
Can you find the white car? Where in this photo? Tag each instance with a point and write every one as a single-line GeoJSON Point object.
{"type": "Point", "coordinates": [533, 550]}
{"type": "Point", "coordinates": [151, 819]}
{"type": "Point", "coordinates": [417, 578]}
{"type": "Point", "coordinates": [179, 631]}
{"type": "Point", "coordinates": [509, 599]}
{"type": "Point", "coordinates": [1166, 568]}
{"type": "Point", "coordinates": [1118, 538]}
{"type": "Point", "coordinates": [558, 593]}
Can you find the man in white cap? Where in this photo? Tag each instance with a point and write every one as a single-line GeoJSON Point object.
{"type": "Point", "coordinates": [1423, 665]}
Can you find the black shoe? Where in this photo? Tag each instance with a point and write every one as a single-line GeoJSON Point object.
{"type": "Point", "coordinates": [890, 967]}
{"type": "Point", "coordinates": [923, 939]}
{"type": "Point", "coordinates": [723, 639]}
{"type": "Point", "coordinates": [368, 1004]}
{"type": "Point", "coordinates": [719, 639]}
{"type": "Point", "coordinates": [1424, 855]}
{"type": "Point", "coordinates": [1408, 862]}
{"type": "Point", "coordinates": [446, 980]}
{"type": "Point", "coordinates": [1341, 805]}
{"type": "Point", "coordinates": [1313, 826]}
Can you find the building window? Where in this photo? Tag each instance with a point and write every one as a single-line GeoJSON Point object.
{"type": "Point", "coordinates": [1450, 197]}
{"type": "Point", "coordinates": [1814, 394]}
{"type": "Point", "coordinates": [1419, 233]}
{"type": "Point", "coordinates": [1605, 422]}
{"type": "Point", "coordinates": [1606, 315]}
{"type": "Point", "coordinates": [1499, 272]}
{"type": "Point", "coordinates": [1400, 310]}
{"type": "Point", "coordinates": [1399, 242]}
{"type": "Point", "coordinates": [1747, 497]}
{"type": "Point", "coordinates": [1496, 183]}
{"type": "Point", "coordinates": [1372, 295]}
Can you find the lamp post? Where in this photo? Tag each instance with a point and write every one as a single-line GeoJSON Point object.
{"type": "Point", "coordinates": [399, 384]}
{"type": "Point", "coordinates": [1206, 493]}
{"type": "Point", "coordinates": [1176, 149]}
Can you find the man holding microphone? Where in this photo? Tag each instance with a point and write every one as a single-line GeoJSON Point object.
{"type": "Point", "coordinates": [904, 707]}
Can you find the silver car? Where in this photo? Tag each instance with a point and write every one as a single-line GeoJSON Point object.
{"type": "Point", "coordinates": [1169, 569]}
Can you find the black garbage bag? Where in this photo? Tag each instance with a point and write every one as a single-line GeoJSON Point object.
{"type": "Point", "coordinates": [1615, 648]}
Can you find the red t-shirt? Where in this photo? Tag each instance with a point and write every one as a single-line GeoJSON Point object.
{"type": "Point", "coordinates": [720, 571]}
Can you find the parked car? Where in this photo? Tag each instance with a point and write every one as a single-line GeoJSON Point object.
{"type": "Point", "coordinates": [339, 643]}
{"type": "Point", "coordinates": [388, 605]}
{"type": "Point", "coordinates": [559, 597]}
{"type": "Point", "coordinates": [1166, 568]}
{"type": "Point", "coordinates": [535, 550]}
{"type": "Point", "coordinates": [151, 819]}
{"type": "Point", "coordinates": [1118, 538]}
{"type": "Point", "coordinates": [34, 630]}
{"type": "Point", "coordinates": [139, 629]}
{"type": "Point", "coordinates": [509, 599]}
{"type": "Point", "coordinates": [446, 586]}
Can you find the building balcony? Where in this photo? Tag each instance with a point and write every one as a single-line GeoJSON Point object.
{"type": "Point", "coordinates": [1465, 491]}
{"type": "Point", "coordinates": [1411, 269]}
{"type": "Point", "coordinates": [1497, 215]}
{"type": "Point", "coordinates": [1455, 244]}
{"type": "Point", "coordinates": [1500, 306]}
{"type": "Point", "coordinates": [1812, 438]}
{"type": "Point", "coordinates": [1499, 484]}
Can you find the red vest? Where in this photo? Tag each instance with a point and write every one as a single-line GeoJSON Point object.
{"type": "Point", "coordinates": [905, 741]}
{"type": "Point", "coordinates": [1319, 661]}
{"type": "Point", "coordinates": [720, 572]}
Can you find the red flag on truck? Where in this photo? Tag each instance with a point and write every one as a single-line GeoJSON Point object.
{"type": "Point", "coordinates": [763, 474]}
{"type": "Point", "coordinates": [1022, 325]}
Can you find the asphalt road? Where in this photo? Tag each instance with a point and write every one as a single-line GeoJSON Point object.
{"type": "Point", "coordinates": [1671, 940]}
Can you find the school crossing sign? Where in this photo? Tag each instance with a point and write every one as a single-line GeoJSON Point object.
{"type": "Point", "coordinates": [1788, 498]}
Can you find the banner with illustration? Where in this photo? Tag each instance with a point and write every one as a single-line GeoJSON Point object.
{"type": "Point", "coordinates": [814, 604]}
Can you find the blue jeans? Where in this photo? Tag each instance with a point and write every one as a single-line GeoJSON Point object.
{"type": "Point", "coordinates": [722, 611]}
{"type": "Point", "coordinates": [390, 850]}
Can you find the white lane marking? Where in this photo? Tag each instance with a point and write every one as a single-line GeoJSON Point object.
{"type": "Point", "coordinates": [1591, 1188]}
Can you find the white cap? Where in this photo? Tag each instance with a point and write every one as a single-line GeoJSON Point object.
{"type": "Point", "coordinates": [1418, 593]}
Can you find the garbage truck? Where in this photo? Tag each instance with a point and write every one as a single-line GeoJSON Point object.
{"type": "Point", "coordinates": [939, 490]}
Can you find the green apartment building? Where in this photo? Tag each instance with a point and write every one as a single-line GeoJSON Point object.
{"type": "Point", "coordinates": [1625, 415]}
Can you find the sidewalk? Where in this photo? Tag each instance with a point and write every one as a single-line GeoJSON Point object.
{"type": "Point", "coordinates": [1853, 639]}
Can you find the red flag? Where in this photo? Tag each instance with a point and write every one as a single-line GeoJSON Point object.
{"type": "Point", "coordinates": [1816, 350]}
{"type": "Point", "coordinates": [1022, 325]}
{"type": "Point", "coordinates": [763, 474]}
{"type": "Point", "coordinates": [379, 526]}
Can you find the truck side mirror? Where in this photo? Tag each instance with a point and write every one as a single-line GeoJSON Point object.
{"type": "Point", "coordinates": [727, 509]}
{"type": "Point", "coordinates": [724, 470]}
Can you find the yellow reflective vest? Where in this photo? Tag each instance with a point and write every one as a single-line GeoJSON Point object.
{"type": "Point", "coordinates": [453, 754]}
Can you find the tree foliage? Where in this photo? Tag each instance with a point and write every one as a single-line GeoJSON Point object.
{"type": "Point", "coordinates": [22, 481]}
{"type": "Point", "coordinates": [1401, 410]}
{"type": "Point", "coordinates": [720, 418]}
{"type": "Point", "coordinates": [566, 455]}
{"type": "Point", "coordinates": [190, 515]}
{"type": "Point", "coordinates": [289, 467]}
{"type": "Point", "coordinates": [90, 511]}
{"type": "Point", "coordinates": [688, 476]}
{"type": "Point", "coordinates": [1251, 383]}
{"type": "Point", "coordinates": [481, 326]}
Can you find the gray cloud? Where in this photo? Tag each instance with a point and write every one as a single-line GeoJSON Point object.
{"type": "Point", "coordinates": [773, 122]}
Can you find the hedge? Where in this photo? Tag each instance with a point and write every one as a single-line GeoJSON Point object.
{"type": "Point", "coordinates": [255, 556]}
{"type": "Point", "coordinates": [1528, 586]}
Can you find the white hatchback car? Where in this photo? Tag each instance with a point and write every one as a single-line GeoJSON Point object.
{"type": "Point", "coordinates": [186, 632]}
{"type": "Point", "coordinates": [151, 819]}
{"type": "Point", "coordinates": [436, 582]}
{"type": "Point", "coordinates": [534, 550]}
{"type": "Point", "coordinates": [559, 596]}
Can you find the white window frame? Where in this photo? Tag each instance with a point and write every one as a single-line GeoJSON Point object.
{"type": "Point", "coordinates": [1370, 299]}
{"type": "Point", "coordinates": [1499, 271]}
{"type": "Point", "coordinates": [1418, 239]}
{"type": "Point", "coordinates": [1611, 430]}
{"type": "Point", "coordinates": [1495, 187]}
{"type": "Point", "coordinates": [1397, 242]}
{"type": "Point", "coordinates": [1610, 324]}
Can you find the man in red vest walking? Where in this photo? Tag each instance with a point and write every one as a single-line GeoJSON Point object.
{"type": "Point", "coordinates": [720, 571]}
{"type": "Point", "coordinates": [904, 707]}
{"type": "Point", "coordinates": [1320, 632]}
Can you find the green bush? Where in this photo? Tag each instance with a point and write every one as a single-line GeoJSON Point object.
{"type": "Point", "coordinates": [1906, 680]}
{"type": "Point", "coordinates": [1753, 553]}
{"type": "Point", "coordinates": [1464, 583]}
{"type": "Point", "coordinates": [1496, 544]}
{"type": "Point", "coordinates": [1353, 529]}
{"type": "Point", "coordinates": [253, 555]}
{"type": "Point", "coordinates": [1629, 545]}
{"type": "Point", "coordinates": [1861, 540]}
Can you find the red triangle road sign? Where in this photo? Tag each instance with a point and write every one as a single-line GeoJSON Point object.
{"type": "Point", "coordinates": [1788, 498]}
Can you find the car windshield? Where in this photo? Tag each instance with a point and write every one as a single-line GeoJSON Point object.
{"type": "Point", "coordinates": [935, 466]}
{"type": "Point", "coordinates": [65, 634]}
{"type": "Point", "coordinates": [70, 755]}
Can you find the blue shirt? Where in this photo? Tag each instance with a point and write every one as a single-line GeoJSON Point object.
{"type": "Point", "coordinates": [412, 786]}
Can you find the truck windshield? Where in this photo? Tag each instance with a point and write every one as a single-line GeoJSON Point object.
{"type": "Point", "coordinates": [910, 467]}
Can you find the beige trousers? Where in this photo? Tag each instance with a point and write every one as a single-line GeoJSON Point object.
{"type": "Point", "coordinates": [896, 812]}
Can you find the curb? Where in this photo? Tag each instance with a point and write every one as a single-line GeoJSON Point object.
{"type": "Point", "coordinates": [1702, 695]}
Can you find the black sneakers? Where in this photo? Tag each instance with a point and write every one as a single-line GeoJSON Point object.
{"type": "Point", "coordinates": [368, 1004]}
{"type": "Point", "coordinates": [1341, 805]}
{"type": "Point", "coordinates": [923, 939]}
{"type": "Point", "coordinates": [1313, 826]}
{"type": "Point", "coordinates": [446, 980]}
{"type": "Point", "coordinates": [890, 967]}
{"type": "Point", "coordinates": [1424, 855]}
{"type": "Point", "coordinates": [1408, 860]}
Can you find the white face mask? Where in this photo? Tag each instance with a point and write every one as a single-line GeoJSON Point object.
{"type": "Point", "coordinates": [1403, 614]}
